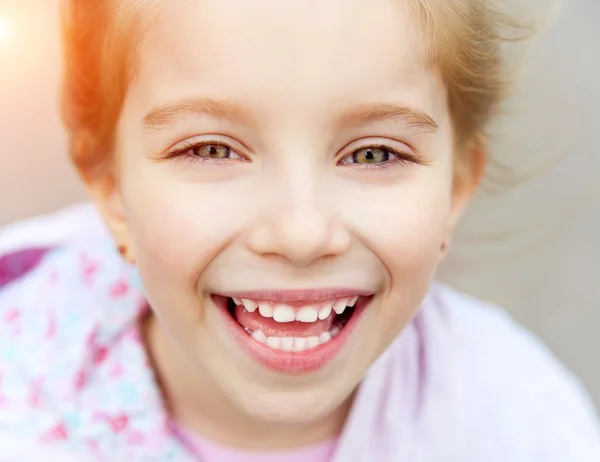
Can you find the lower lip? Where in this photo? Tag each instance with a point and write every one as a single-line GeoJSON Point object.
{"type": "Point", "coordinates": [292, 362]}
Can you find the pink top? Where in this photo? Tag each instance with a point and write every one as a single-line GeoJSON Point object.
{"type": "Point", "coordinates": [209, 451]}
{"type": "Point", "coordinates": [462, 382]}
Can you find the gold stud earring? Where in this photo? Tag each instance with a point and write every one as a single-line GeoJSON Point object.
{"type": "Point", "coordinates": [444, 246]}
{"type": "Point", "coordinates": [124, 252]}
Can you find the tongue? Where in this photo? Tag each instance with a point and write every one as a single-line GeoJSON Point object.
{"type": "Point", "coordinates": [271, 328]}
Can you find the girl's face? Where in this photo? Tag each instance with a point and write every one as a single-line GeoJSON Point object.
{"type": "Point", "coordinates": [289, 156]}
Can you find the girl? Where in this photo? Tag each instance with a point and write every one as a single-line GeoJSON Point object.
{"type": "Point", "coordinates": [285, 178]}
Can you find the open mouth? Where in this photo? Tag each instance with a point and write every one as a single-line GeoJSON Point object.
{"type": "Point", "coordinates": [292, 328]}
{"type": "Point", "coordinates": [299, 335]}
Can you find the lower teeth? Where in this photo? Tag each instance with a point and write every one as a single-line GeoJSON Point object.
{"type": "Point", "coordinates": [294, 344]}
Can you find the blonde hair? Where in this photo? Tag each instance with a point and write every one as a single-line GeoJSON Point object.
{"type": "Point", "coordinates": [464, 41]}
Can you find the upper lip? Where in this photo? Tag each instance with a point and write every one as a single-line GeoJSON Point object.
{"type": "Point", "coordinates": [297, 295]}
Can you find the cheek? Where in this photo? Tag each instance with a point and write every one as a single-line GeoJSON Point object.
{"type": "Point", "coordinates": [177, 229]}
{"type": "Point", "coordinates": [406, 222]}
{"type": "Point", "coordinates": [405, 232]}
{"type": "Point", "coordinates": [413, 232]}
{"type": "Point", "coordinates": [412, 253]}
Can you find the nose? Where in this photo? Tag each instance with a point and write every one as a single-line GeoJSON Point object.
{"type": "Point", "coordinates": [299, 231]}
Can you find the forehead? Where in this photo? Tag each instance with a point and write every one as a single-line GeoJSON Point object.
{"type": "Point", "coordinates": [270, 53]}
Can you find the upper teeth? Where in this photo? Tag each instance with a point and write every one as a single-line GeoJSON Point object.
{"type": "Point", "coordinates": [280, 312]}
{"type": "Point", "coordinates": [250, 305]}
{"type": "Point", "coordinates": [265, 310]}
{"type": "Point", "coordinates": [307, 314]}
{"type": "Point", "coordinates": [283, 313]}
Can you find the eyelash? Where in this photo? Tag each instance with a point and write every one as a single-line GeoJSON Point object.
{"type": "Point", "coordinates": [400, 158]}
{"type": "Point", "coordinates": [182, 151]}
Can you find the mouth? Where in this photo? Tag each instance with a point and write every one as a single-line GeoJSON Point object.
{"type": "Point", "coordinates": [289, 333]}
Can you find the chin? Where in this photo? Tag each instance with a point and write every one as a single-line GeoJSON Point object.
{"type": "Point", "coordinates": [293, 407]}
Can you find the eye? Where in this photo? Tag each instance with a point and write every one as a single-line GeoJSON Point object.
{"type": "Point", "coordinates": [213, 151]}
{"type": "Point", "coordinates": [372, 155]}
{"type": "Point", "coordinates": [205, 151]}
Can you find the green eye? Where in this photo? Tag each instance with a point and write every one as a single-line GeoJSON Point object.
{"type": "Point", "coordinates": [371, 156]}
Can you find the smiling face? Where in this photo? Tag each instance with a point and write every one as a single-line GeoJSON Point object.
{"type": "Point", "coordinates": [292, 158]}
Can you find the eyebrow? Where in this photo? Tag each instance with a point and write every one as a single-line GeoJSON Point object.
{"type": "Point", "coordinates": [366, 114]}
{"type": "Point", "coordinates": [165, 115]}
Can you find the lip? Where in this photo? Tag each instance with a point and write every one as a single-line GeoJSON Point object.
{"type": "Point", "coordinates": [292, 362]}
{"type": "Point", "coordinates": [297, 296]}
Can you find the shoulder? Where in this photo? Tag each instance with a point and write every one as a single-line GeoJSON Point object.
{"type": "Point", "coordinates": [76, 286]}
{"type": "Point", "coordinates": [77, 223]}
{"type": "Point", "coordinates": [512, 383]}
{"type": "Point", "coordinates": [486, 336]}
{"type": "Point", "coordinates": [56, 321]}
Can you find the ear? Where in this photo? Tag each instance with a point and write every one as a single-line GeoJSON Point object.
{"type": "Point", "coordinates": [107, 196]}
{"type": "Point", "coordinates": [469, 172]}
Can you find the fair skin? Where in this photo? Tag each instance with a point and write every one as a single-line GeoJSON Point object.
{"type": "Point", "coordinates": [306, 95]}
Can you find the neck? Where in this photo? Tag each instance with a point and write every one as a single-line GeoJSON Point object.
{"type": "Point", "coordinates": [199, 405]}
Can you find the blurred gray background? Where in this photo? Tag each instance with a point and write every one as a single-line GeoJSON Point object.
{"type": "Point", "coordinates": [530, 243]}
